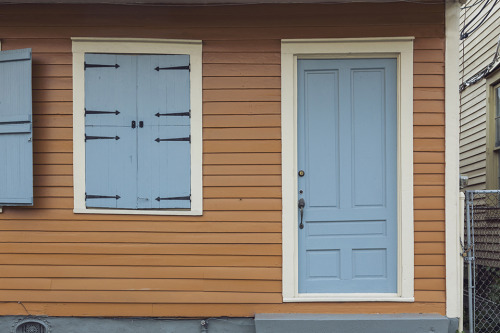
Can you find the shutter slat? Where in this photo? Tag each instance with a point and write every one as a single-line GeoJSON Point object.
{"type": "Point", "coordinates": [15, 55]}
{"type": "Point", "coordinates": [16, 150]}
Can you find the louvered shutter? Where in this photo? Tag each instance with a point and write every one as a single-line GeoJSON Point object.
{"type": "Point", "coordinates": [16, 151]}
{"type": "Point", "coordinates": [110, 140]}
{"type": "Point", "coordinates": [164, 147]}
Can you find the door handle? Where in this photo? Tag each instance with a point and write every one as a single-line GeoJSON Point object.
{"type": "Point", "coordinates": [302, 204]}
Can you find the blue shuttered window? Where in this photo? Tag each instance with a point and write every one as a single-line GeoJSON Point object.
{"type": "Point", "coordinates": [16, 151]}
{"type": "Point", "coordinates": [137, 128]}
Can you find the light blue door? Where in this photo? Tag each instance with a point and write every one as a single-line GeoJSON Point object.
{"type": "Point", "coordinates": [347, 150]}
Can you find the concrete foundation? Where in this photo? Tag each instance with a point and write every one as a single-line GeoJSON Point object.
{"type": "Point", "coordinates": [262, 323]}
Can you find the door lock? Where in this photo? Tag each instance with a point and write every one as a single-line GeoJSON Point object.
{"type": "Point", "coordinates": [301, 173]}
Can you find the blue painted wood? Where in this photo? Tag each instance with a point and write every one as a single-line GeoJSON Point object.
{"type": "Point", "coordinates": [144, 168]}
{"type": "Point", "coordinates": [163, 167]}
{"type": "Point", "coordinates": [347, 146]}
{"type": "Point", "coordinates": [16, 162]}
{"type": "Point", "coordinates": [111, 89]}
{"type": "Point", "coordinates": [111, 165]}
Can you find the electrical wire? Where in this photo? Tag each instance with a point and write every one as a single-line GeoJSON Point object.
{"type": "Point", "coordinates": [463, 33]}
{"type": "Point", "coordinates": [474, 4]}
{"type": "Point", "coordinates": [484, 72]}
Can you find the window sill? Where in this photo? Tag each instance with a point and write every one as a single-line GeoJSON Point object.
{"type": "Point", "coordinates": [348, 298]}
{"type": "Point", "coordinates": [193, 212]}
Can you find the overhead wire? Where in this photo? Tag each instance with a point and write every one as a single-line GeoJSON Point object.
{"type": "Point", "coordinates": [463, 33]}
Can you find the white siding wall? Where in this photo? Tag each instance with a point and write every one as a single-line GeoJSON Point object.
{"type": "Point", "coordinates": [476, 52]}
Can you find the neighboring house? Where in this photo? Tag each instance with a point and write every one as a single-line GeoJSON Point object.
{"type": "Point", "coordinates": [479, 99]}
{"type": "Point", "coordinates": [259, 167]}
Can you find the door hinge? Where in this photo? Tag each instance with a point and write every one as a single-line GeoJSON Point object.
{"type": "Point", "coordinates": [116, 112]}
{"type": "Point", "coordinates": [174, 198]}
{"type": "Point", "coordinates": [87, 137]}
{"type": "Point", "coordinates": [158, 68]}
{"type": "Point", "coordinates": [175, 139]}
{"type": "Point", "coordinates": [85, 65]}
{"type": "Point", "coordinates": [176, 114]}
{"type": "Point", "coordinates": [91, 196]}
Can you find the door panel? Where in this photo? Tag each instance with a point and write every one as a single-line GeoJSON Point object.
{"type": "Point", "coordinates": [347, 146]}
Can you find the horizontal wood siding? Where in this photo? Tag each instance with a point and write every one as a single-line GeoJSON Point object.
{"type": "Point", "coordinates": [228, 261]}
{"type": "Point", "coordinates": [476, 52]}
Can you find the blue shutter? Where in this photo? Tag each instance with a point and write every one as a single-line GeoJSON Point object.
{"type": "Point", "coordinates": [164, 147]}
{"type": "Point", "coordinates": [16, 151]}
{"type": "Point", "coordinates": [111, 142]}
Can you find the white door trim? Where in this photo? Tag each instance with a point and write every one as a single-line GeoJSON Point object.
{"type": "Point", "coordinates": [400, 48]}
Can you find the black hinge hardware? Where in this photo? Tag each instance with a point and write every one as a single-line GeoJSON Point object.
{"type": "Point", "coordinates": [133, 123]}
{"type": "Point", "coordinates": [116, 112]}
{"type": "Point", "coordinates": [188, 67]}
{"type": "Point", "coordinates": [85, 65]}
{"type": "Point", "coordinates": [91, 196]}
{"type": "Point", "coordinates": [174, 139]}
{"type": "Point", "coordinates": [176, 114]}
{"type": "Point", "coordinates": [174, 198]}
{"type": "Point", "coordinates": [141, 124]}
{"type": "Point", "coordinates": [101, 137]}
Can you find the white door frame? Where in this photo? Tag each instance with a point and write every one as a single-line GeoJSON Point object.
{"type": "Point", "coordinates": [402, 49]}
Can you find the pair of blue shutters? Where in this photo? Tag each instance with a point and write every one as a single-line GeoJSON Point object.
{"type": "Point", "coordinates": [16, 151]}
{"type": "Point", "coordinates": [137, 131]}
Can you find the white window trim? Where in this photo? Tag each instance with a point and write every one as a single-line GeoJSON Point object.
{"type": "Point", "coordinates": [402, 49]}
{"type": "Point", "coordinates": [137, 46]}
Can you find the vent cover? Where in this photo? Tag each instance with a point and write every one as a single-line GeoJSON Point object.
{"type": "Point", "coordinates": [31, 327]}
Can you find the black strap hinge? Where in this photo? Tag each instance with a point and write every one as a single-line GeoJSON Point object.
{"type": "Point", "coordinates": [174, 198]}
{"type": "Point", "coordinates": [85, 65]}
{"type": "Point", "coordinates": [91, 196]}
{"type": "Point", "coordinates": [176, 114]}
{"type": "Point", "coordinates": [174, 139]}
{"type": "Point", "coordinates": [116, 112]}
{"type": "Point", "coordinates": [87, 137]}
{"type": "Point", "coordinates": [158, 68]}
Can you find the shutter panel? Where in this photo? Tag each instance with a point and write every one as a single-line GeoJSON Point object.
{"type": "Point", "coordinates": [16, 151]}
{"type": "Point", "coordinates": [164, 165]}
{"type": "Point", "coordinates": [111, 142]}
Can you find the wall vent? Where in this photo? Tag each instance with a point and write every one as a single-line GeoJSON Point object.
{"type": "Point", "coordinates": [31, 325]}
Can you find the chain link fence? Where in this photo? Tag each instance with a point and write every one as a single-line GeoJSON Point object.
{"type": "Point", "coordinates": [482, 262]}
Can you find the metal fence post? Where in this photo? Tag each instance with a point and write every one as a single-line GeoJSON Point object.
{"type": "Point", "coordinates": [468, 200]}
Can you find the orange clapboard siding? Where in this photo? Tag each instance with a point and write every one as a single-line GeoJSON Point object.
{"type": "Point", "coordinates": [209, 310]}
{"type": "Point", "coordinates": [138, 284]}
{"type": "Point", "coordinates": [428, 132]}
{"type": "Point", "coordinates": [52, 108]}
{"type": "Point", "coordinates": [228, 261]}
{"type": "Point", "coordinates": [428, 191]}
{"type": "Point", "coordinates": [141, 260]}
{"type": "Point", "coordinates": [134, 248]}
{"type": "Point", "coordinates": [127, 237]}
{"type": "Point", "coordinates": [428, 106]}
{"type": "Point", "coordinates": [269, 133]}
{"type": "Point", "coordinates": [142, 226]}
{"type": "Point", "coordinates": [249, 108]}
{"type": "Point", "coordinates": [430, 284]}
{"type": "Point", "coordinates": [67, 214]}
{"type": "Point", "coordinates": [429, 226]}
{"type": "Point", "coordinates": [239, 273]}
